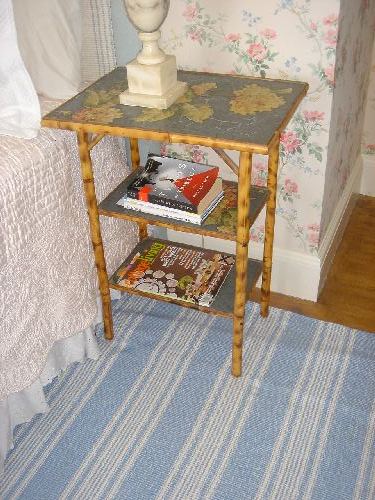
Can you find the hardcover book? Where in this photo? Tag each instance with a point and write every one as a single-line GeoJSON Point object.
{"type": "Point", "coordinates": [163, 211]}
{"type": "Point", "coordinates": [169, 182]}
{"type": "Point", "coordinates": [178, 271]}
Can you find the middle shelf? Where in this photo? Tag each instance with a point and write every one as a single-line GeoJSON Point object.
{"type": "Point", "coordinates": [221, 223]}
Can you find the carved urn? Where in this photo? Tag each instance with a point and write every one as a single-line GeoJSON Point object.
{"type": "Point", "coordinates": [152, 75]}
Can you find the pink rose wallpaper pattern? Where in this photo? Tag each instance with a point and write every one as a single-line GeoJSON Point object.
{"type": "Point", "coordinates": [353, 62]}
{"type": "Point", "coordinates": [288, 39]}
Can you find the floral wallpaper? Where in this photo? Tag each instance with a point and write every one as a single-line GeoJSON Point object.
{"type": "Point", "coordinates": [292, 39]}
{"type": "Point", "coordinates": [368, 137]}
{"type": "Point", "coordinates": [353, 62]}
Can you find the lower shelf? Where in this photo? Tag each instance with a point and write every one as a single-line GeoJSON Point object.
{"type": "Point", "coordinates": [223, 303]}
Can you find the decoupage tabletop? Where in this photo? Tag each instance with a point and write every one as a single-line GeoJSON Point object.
{"type": "Point", "coordinates": [227, 109]}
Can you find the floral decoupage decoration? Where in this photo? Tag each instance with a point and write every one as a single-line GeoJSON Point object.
{"type": "Point", "coordinates": [184, 106]}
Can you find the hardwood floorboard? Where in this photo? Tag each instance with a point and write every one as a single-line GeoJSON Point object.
{"type": "Point", "coordinates": [348, 296]}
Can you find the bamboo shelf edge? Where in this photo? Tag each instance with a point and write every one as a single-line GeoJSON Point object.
{"type": "Point", "coordinates": [154, 135]}
{"type": "Point", "coordinates": [181, 303]}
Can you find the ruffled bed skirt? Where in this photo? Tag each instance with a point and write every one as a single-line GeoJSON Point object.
{"type": "Point", "coordinates": [21, 406]}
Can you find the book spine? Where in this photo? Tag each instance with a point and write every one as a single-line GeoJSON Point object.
{"type": "Point", "coordinates": [164, 212]}
{"type": "Point", "coordinates": [167, 202]}
{"type": "Point", "coordinates": [162, 201]}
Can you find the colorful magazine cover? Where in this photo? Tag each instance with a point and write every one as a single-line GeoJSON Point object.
{"type": "Point", "coordinates": [175, 183]}
{"type": "Point", "coordinates": [174, 270]}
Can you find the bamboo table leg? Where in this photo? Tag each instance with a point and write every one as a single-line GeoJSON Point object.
{"type": "Point", "coordinates": [96, 238]}
{"type": "Point", "coordinates": [242, 242]}
{"type": "Point", "coordinates": [273, 163]}
{"type": "Point", "coordinates": [134, 152]}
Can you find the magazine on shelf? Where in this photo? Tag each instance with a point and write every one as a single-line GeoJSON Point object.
{"type": "Point", "coordinates": [174, 183]}
{"type": "Point", "coordinates": [173, 270]}
{"type": "Point", "coordinates": [153, 209]}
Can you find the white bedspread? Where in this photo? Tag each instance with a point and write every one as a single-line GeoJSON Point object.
{"type": "Point", "coordinates": [47, 275]}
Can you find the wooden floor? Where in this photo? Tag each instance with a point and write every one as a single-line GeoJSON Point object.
{"type": "Point", "coordinates": [348, 296]}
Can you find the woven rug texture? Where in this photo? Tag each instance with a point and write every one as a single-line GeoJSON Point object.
{"type": "Point", "coordinates": [159, 416]}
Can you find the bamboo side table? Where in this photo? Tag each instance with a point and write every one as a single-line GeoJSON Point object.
{"type": "Point", "coordinates": [219, 111]}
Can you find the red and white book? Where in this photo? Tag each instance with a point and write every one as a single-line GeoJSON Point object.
{"type": "Point", "coordinates": [173, 183]}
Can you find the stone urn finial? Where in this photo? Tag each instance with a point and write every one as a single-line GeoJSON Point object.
{"type": "Point", "coordinates": [152, 76]}
{"type": "Point", "coordinates": [147, 16]}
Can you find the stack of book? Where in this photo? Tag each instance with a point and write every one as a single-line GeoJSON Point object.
{"type": "Point", "coordinates": [170, 187]}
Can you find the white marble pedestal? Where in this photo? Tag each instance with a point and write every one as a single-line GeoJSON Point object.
{"type": "Point", "coordinates": [153, 85]}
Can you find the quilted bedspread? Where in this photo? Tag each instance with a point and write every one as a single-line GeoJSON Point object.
{"type": "Point", "coordinates": [48, 284]}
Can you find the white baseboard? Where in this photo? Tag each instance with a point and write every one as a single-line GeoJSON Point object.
{"type": "Point", "coordinates": [368, 175]}
{"type": "Point", "coordinates": [293, 273]}
{"type": "Point", "coordinates": [333, 235]}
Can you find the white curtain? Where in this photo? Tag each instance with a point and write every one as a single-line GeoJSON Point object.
{"type": "Point", "coordinates": [19, 105]}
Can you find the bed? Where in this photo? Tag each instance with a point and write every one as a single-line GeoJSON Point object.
{"type": "Point", "coordinates": [48, 285]}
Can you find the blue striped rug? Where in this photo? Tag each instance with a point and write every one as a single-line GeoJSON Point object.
{"type": "Point", "coordinates": [158, 416]}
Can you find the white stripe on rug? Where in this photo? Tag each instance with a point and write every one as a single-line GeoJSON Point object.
{"type": "Point", "coordinates": [293, 404]}
{"type": "Point", "coordinates": [365, 464]}
{"type": "Point", "coordinates": [371, 488]}
{"type": "Point", "coordinates": [154, 421]}
{"type": "Point", "coordinates": [308, 422]}
{"type": "Point", "coordinates": [328, 418]}
{"type": "Point", "coordinates": [292, 452]}
{"type": "Point", "coordinates": [54, 424]}
{"type": "Point", "coordinates": [125, 436]}
{"type": "Point", "coordinates": [244, 414]}
{"type": "Point", "coordinates": [165, 387]}
{"type": "Point", "coordinates": [219, 415]}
